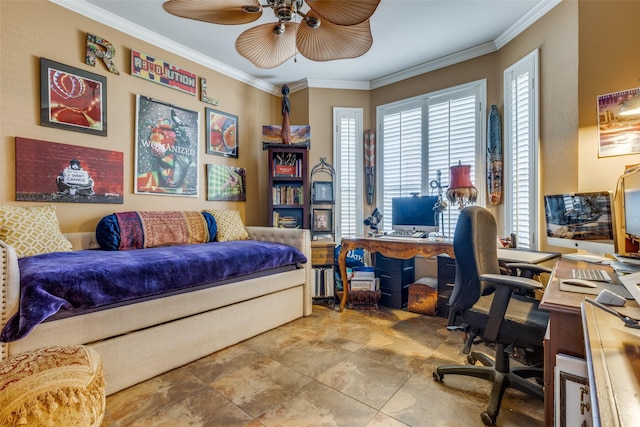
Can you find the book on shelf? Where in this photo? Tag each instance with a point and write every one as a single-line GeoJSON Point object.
{"type": "Point", "coordinates": [287, 165]}
{"type": "Point", "coordinates": [287, 195]}
{"type": "Point", "coordinates": [324, 282]}
{"type": "Point", "coordinates": [285, 221]}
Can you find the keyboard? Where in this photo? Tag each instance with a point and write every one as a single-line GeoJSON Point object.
{"type": "Point", "coordinates": [591, 274]}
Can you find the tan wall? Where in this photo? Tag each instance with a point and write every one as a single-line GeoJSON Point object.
{"type": "Point", "coordinates": [34, 29]}
{"type": "Point", "coordinates": [608, 63]}
{"type": "Point", "coordinates": [556, 37]}
{"type": "Point", "coordinates": [599, 33]}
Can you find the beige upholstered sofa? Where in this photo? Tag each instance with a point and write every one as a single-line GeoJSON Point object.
{"type": "Point", "coordinates": [142, 340]}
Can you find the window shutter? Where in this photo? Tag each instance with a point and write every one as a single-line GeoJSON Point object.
{"type": "Point", "coordinates": [401, 152]}
{"type": "Point", "coordinates": [521, 151]}
{"type": "Point", "coordinates": [349, 171]}
{"type": "Point", "coordinates": [424, 135]}
{"type": "Point", "coordinates": [453, 132]}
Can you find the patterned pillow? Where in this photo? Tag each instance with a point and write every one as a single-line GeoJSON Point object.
{"type": "Point", "coordinates": [230, 226]}
{"type": "Point", "coordinates": [32, 231]}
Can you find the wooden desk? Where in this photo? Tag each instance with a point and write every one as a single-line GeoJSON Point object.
{"type": "Point", "coordinates": [564, 332]}
{"type": "Point", "coordinates": [613, 361]}
{"type": "Point", "coordinates": [394, 248]}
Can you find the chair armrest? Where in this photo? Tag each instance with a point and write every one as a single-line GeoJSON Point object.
{"type": "Point", "coordinates": [533, 268]}
{"type": "Point", "coordinates": [514, 282]}
{"type": "Point", "coordinates": [506, 285]}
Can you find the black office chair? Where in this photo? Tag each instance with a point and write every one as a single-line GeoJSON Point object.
{"type": "Point", "coordinates": [493, 308]}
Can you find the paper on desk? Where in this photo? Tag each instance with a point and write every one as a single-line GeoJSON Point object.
{"type": "Point", "coordinates": [631, 282]}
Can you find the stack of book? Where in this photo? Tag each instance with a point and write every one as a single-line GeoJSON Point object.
{"type": "Point", "coordinates": [285, 221]}
{"type": "Point", "coordinates": [363, 279]}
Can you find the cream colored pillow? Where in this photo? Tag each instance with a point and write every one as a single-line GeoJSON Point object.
{"type": "Point", "coordinates": [230, 226]}
{"type": "Point", "coordinates": [32, 230]}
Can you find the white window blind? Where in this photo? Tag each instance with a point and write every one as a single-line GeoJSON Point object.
{"type": "Point", "coordinates": [424, 135]}
{"type": "Point", "coordinates": [401, 155]}
{"type": "Point", "coordinates": [454, 125]}
{"type": "Point", "coordinates": [348, 159]}
{"type": "Point", "coordinates": [521, 148]}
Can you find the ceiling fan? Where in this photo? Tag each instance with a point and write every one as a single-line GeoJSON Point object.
{"type": "Point", "coordinates": [329, 30]}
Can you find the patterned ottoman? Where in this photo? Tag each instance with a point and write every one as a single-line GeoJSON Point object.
{"type": "Point", "coordinates": [52, 386]}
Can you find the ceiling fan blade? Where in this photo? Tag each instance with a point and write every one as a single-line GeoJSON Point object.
{"type": "Point", "coordinates": [265, 47]}
{"type": "Point", "coordinates": [329, 41]}
{"type": "Point", "coordinates": [350, 12]}
{"type": "Point", "coordinates": [226, 12]}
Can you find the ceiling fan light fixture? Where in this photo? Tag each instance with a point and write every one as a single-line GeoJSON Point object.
{"type": "Point", "coordinates": [285, 10]}
{"type": "Point", "coordinates": [279, 28]}
{"type": "Point", "coordinates": [312, 21]}
{"type": "Point", "coordinates": [252, 9]}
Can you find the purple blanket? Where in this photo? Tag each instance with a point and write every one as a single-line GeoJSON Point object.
{"type": "Point", "coordinates": [93, 278]}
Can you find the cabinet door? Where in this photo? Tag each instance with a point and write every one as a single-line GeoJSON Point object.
{"type": "Point", "coordinates": [572, 400]}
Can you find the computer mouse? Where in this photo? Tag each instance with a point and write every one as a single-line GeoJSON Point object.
{"type": "Point", "coordinates": [580, 282]}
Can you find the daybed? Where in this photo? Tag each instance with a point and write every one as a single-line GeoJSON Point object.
{"type": "Point", "coordinates": [140, 340]}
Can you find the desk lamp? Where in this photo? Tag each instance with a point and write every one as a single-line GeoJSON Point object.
{"type": "Point", "coordinates": [461, 190]}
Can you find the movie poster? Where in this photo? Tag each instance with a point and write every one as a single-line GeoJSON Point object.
{"type": "Point", "coordinates": [53, 172]}
{"type": "Point", "coordinates": [166, 149]}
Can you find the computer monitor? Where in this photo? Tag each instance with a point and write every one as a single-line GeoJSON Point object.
{"type": "Point", "coordinates": [581, 221]}
{"type": "Point", "coordinates": [631, 205]}
{"type": "Point", "coordinates": [414, 213]}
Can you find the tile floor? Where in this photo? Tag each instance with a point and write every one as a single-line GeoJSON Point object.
{"type": "Point", "coordinates": [357, 368]}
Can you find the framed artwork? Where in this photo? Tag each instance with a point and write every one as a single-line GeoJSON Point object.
{"type": "Point", "coordinates": [166, 149]}
{"type": "Point", "coordinates": [619, 123]}
{"type": "Point", "coordinates": [272, 135]}
{"type": "Point", "coordinates": [322, 192]}
{"type": "Point", "coordinates": [222, 133]}
{"type": "Point", "coordinates": [72, 99]}
{"type": "Point", "coordinates": [52, 172]}
{"type": "Point", "coordinates": [226, 183]}
{"type": "Point", "coordinates": [321, 220]}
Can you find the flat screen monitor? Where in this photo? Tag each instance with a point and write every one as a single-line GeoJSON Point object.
{"type": "Point", "coordinates": [631, 204]}
{"type": "Point", "coordinates": [414, 213]}
{"type": "Point", "coordinates": [581, 221]}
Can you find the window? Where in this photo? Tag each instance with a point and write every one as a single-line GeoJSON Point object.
{"type": "Point", "coordinates": [348, 159]}
{"type": "Point", "coordinates": [521, 150]}
{"type": "Point", "coordinates": [424, 136]}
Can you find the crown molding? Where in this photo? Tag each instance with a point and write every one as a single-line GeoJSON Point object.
{"type": "Point", "coordinates": [107, 18]}
{"type": "Point", "coordinates": [118, 23]}
{"type": "Point", "coordinates": [525, 22]}
{"type": "Point", "coordinates": [436, 64]}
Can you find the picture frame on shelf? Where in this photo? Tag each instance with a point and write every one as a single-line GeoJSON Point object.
{"type": "Point", "coordinates": [322, 192]}
{"type": "Point", "coordinates": [222, 133]}
{"type": "Point", "coordinates": [322, 220]}
{"type": "Point", "coordinates": [72, 99]}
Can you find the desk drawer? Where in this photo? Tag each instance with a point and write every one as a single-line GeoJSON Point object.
{"type": "Point", "coordinates": [393, 264]}
{"type": "Point", "coordinates": [394, 299]}
{"type": "Point", "coordinates": [395, 280]}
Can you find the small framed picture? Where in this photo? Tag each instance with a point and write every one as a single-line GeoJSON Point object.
{"type": "Point", "coordinates": [72, 99]}
{"type": "Point", "coordinates": [222, 133]}
{"type": "Point", "coordinates": [322, 192]}
{"type": "Point", "coordinates": [322, 220]}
